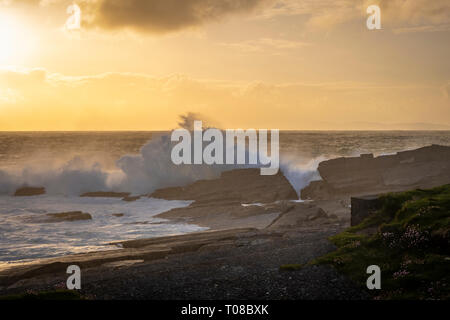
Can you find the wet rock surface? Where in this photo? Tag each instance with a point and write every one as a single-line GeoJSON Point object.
{"type": "Point", "coordinates": [29, 191]}
{"type": "Point", "coordinates": [68, 216]}
{"type": "Point", "coordinates": [58, 217]}
{"type": "Point", "coordinates": [105, 194]}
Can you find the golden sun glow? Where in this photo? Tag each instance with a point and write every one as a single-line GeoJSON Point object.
{"type": "Point", "coordinates": [15, 39]}
{"type": "Point", "coordinates": [7, 37]}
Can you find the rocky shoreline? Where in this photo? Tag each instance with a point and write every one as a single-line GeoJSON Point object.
{"type": "Point", "coordinates": [244, 198]}
{"type": "Point", "coordinates": [256, 224]}
{"type": "Point", "coordinates": [259, 222]}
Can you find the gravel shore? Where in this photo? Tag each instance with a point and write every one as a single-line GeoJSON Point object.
{"type": "Point", "coordinates": [245, 267]}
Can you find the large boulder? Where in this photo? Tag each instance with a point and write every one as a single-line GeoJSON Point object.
{"type": "Point", "coordinates": [235, 186]}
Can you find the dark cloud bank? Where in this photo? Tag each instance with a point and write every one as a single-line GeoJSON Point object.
{"type": "Point", "coordinates": [162, 16]}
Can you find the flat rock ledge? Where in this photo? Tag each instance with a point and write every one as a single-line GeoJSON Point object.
{"type": "Point", "coordinates": [68, 216]}
{"type": "Point", "coordinates": [105, 194]}
{"type": "Point", "coordinates": [343, 178]}
{"type": "Point", "coordinates": [29, 191]}
{"type": "Point", "coordinates": [58, 217]}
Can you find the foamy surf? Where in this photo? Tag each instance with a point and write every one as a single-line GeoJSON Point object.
{"type": "Point", "coordinates": [21, 239]}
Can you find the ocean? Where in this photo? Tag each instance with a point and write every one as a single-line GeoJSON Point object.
{"type": "Point", "coordinates": [70, 163]}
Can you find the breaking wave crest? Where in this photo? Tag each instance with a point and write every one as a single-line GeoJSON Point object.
{"type": "Point", "coordinates": [141, 173]}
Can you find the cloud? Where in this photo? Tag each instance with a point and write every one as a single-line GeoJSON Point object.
{"type": "Point", "coordinates": [424, 28]}
{"type": "Point", "coordinates": [162, 16]}
{"type": "Point", "coordinates": [417, 12]}
{"type": "Point", "coordinates": [409, 15]}
{"type": "Point", "coordinates": [265, 44]}
{"type": "Point", "coordinates": [446, 90]}
{"type": "Point", "coordinates": [152, 16]}
{"type": "Point", "coordinates": [39, 100]}
{"type": "Point", "coordinates": [320, 14]}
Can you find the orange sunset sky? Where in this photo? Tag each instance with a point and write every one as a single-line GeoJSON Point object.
{"type": "Point", "coordinates": [287, 64]}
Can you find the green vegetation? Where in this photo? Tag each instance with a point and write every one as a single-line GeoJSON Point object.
{"type": "Point", "coordinates": [291, 267]}
{"type": "Point", "coordinates": [408, 238]}
{"type": "Point", "coordinates": [45, 295]}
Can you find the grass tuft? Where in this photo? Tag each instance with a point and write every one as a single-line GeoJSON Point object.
{"type": "Point", "coordinates": [291, 267]}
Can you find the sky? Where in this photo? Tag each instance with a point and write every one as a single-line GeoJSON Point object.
{"type": "Point", "coordinates": [274, 64]}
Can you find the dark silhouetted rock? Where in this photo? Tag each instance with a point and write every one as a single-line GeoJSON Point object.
{"type": "Point", "coordinates": [362, 207]}
{"type": "Point", "coordinates": [67, 216]}
{"type": "Point", "coordinates": [346, 177]}
{"type": "Point", "coordinates": [105, 194]}
{"type": "Point", "coordinates": [118, 215]}
{"type": "Point", "coordinates": [235, 186]}
{"type": "Point", "coordinates": [218, 202]}
{"type": "Point", "coordinates": [29, 191]}
{"type": "Point", "coordinates": [130, 199]}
